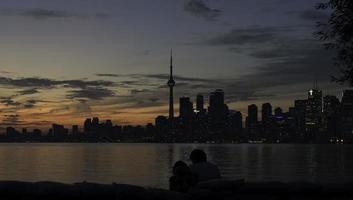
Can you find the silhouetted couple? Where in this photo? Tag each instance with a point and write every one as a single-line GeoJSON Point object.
{"type": "Point", "coordinates": [200, 170]}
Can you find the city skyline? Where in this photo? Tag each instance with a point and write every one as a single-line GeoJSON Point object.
{"type": "Point", "coordinates": [63, 63]}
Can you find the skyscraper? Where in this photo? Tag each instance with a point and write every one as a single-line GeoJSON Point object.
{"type": "Point", "coordinates": [300, 110]}
{"type": "Point", "coordinates": [278, 111]}
{"type": "Point", "coordinates": [266, 119]}
{"type": "Point", "coordinates": [217, 112]}
{"type": "Point", "coordinates": [252, 115]}
{"type": "Point", "coordinates": [199, 103]}
{"type": "Point", "coordinates": [266, 112]}
{"type": "Point", "coordinates": [217, 109]}
{"type": "Point", "coordinates": [185, 108]}
{"type": "Point", "coordinates": [347, 114]}
{"type": "Point", "coordinates": [217, 99]}
{"type": "Point", "coordinates": [313, 110]}
{"type": "Point", "coordinates": [331, 115]}
{"type": "Point", "coordinates": [252, 122]}
{"type": "Point", "coordinates": [171, 84]}
{"type": "Point", "coordinates": [87, 126]}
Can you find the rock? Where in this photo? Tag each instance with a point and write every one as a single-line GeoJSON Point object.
{"type": "Point", "coordinates": [54, 190]}
{"type": "Point", "coordinates": [161, 194]}
{"type": "Point", "coordinates": [124, 191]}
{"type": "Point", "coordinates": [268, 188]}
{"type": "Point", "coordinates": [16, 189]}
{"type": "Point", "coordinates": [220, 184]}
{"type": "Point", "coordinates": [95, 191]}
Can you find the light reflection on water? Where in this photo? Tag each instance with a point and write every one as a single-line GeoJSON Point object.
{"type": "Point", "coordinates": [150, 164]}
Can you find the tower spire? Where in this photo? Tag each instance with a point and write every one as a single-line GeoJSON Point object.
{"type": "Point", "coordinates": [171, 84]}
{"type": "Point", "coordinates": [171, 63]}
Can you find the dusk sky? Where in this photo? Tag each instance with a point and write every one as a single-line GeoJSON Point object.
{"type": "Point", "coordinates": [66, 60]}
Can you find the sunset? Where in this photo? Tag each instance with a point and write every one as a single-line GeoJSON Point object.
{"type": "Point", "coordinates": [176, 99]}
{"type": "Point", "coordinates": [88, 58]}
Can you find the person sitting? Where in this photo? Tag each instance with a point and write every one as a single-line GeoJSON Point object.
{"type": "Point", "coordinates": [182, 178]}
{"type": "Point", "coordinates": [203, 170]}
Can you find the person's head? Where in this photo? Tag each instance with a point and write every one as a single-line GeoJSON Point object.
{"type": "Point", "coordinates": [180, 167]}
{"type": "Point", "coordinates": [198, 156]}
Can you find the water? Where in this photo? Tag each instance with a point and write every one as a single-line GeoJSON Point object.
{"type": "Point", "coordinates": [150, 164]}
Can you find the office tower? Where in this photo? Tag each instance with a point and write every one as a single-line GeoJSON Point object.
{"type": "Point", "coordinates": [171, 84]}
{"type": "Point", "coordinates": [313, 113]}
{"type": "Point", "coordinates": [95, 125]}
{"type": "Point", "coordinates": [108, 123]}
{"type": "Point", "coordinates": [11, 132]}
{"type": "Point", "coordinates": [235, 123]}
{"type": "Point", "coordinates": [87, 126]}
{"type": "Point", "coordinates": [74, 130]}
{"type": "Point", "coordinates": [266, 119]}
{"type": "Point", "coordinates": [252, 123]}
{"type": "Point", "coordinates": [278, 111]}
{"type": "Point", "coordinates": [217, 109]}
{"type": "Point", "coordinates": [266, 112]}
{"type": "Point", "coordinates": [347, 115]}
{"type": "Point", "coordinates": [331, 117]}
{"type": "Point", "coordinates": [199, 103]}
{"type": "Point", "coordinates": [161, 121]}
{"type": "Point", "coordinates": [95, 121]}
{"type": "Point", "coordinates": [217, 99]}
{"type": "Point", "coordinates": [331, 104]}
{"type": "Point", "coordinates": [185, 109]}
{"type": "Point", "coordinates": [59, 130]}
{"type": "Point", "coordinates": [291, 112]}
{"type": "Point", "coordinates": [252, 115]}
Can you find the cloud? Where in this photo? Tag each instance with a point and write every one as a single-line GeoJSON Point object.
{"type": "Point", "coordinates": [12, 120]}
{"type": "Point", "coordinates": [153, 99]}
{"type": "Point", "coordinates": [136, 91]}
{"type": "Point", "coordinates": [162, 77]}
{"type": "Point", "coordinates": [199, 8]}
{"type": "Point", "coordinates": [109, 75]}
{"type": "Point", "coordinates": [165, 77]}
{"type": "Point", "coordinates": [40, 13]}
{"type": "Point", "coordinates": [246, 36]}
{"type": "Point", "coordinates": [310, 15]}
{"type": "Point", "coordinates": [93, 93]}
{"type": "Point", "coordinates": [30, 103]}
{"type": "Point", "coordinates": [8, 101]}
{"type": "Point", "coordinates": [288, 65]}
{"type": "Point", "coordinates": [28, 91]}
{"type": "Point", "coordinates": [15, 120]}
{"type": "Point", "coordinates": [50, 83]}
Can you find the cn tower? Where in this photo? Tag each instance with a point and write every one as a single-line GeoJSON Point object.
{"type": "Point", "coordinates": [171, 84]}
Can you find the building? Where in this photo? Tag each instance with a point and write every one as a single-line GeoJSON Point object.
{"type": "Point", "coordinates": [266, 112]}
{"type": "Point", "coordinates": [74, 130]}
{"type": "Point", "coordinates": [331, 117]}
{"type": "Point", "coordinates": [347, 115]}
{"type": "Point", "coordinates": [161, 121]}
{"type": "Point", "coordinates": [217, 109]}
{"type": "Point", "coordinates": [87, 126]}
{"type": "Point", "coordinates": [235, 125]}
{"type": "Point", "coordinates": [266, 118]}
{"type": "Point", "coordinates": [278, 111]}
{"type": "Point", "coordinates": [171, 84]}
{"type": "Point", "coordinates": [11, 132]}
{"type": "Point", "coordinates": [200, 103]}
{"type": "Point", "coordinates": [59, 131]}
{"type": "Point", "coordinates": [313, 114]}
{"type": "Point", "coordinates": [252, 115]}
{"type": "Point", "coordinates": [185, 109]}
{"type": "Point", "coordinates": [299, 117]}
{"type": "Point", "coordinates": [252, 123]}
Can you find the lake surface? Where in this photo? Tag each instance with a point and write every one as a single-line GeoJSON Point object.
{"type": "Point", "coordinates": [150, 164]}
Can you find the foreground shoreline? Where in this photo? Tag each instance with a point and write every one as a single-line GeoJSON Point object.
{"type": "Point", "coordinates": [217, 189]}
